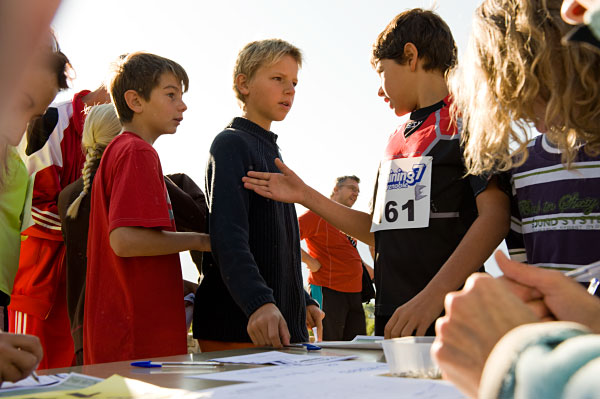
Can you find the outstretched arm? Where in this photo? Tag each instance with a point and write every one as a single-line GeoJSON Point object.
{"type": "Point", "coordinates": [288, 187]}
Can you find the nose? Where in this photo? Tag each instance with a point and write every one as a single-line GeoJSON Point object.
{"type": "Point", "coordinates": [290, 88]}
{"type": "Point", "coordinates": [182, 106]}
{"type": "Point", "coordinates": [380, 92]}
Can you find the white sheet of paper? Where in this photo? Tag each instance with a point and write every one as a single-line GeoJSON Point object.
{"type": "Point", "coordinates": [48, 383]}
{"type": "Point", "coordinates": [266, 374]}
{"type": "Point", "coordinates": [338, 386]}
{"type": "Point", "coordinates": [281, 358]}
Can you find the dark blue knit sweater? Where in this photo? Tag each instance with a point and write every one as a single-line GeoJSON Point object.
{"type": "Point", "coordinates": [255, 242]}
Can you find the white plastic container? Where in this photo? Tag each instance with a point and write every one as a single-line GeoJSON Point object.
{"type": "Point", "coordinates": [410, 357]}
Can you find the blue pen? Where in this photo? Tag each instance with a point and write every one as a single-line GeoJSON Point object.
{"type": "Point", "coordinates": [150, 364]}
{"type": "Point", "coordinates": [308, 347]}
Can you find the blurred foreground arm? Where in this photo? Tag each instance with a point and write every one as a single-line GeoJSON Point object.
{"type": "Point", "coordinates": [476, 318]}
{"type": "Point", "coordinates": [550, 294]}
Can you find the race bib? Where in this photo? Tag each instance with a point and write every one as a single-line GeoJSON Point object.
{"type": "Point", "coordinates": [403, 194]}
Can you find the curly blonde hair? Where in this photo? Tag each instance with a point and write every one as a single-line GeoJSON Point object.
{"type": "Point", "coordinates": [101, 126]}
{"type": "Point", "coordinates": [517, 72]}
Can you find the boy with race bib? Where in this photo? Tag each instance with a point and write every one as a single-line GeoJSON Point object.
{"type": "Point", "coordinates": [431, 226]}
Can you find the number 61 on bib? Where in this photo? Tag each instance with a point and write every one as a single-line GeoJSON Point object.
{"type": "Point", "coordinates": [403, 194]}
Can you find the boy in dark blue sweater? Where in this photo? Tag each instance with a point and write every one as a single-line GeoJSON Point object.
{"type": "Point", "coordinates": [252, 288]}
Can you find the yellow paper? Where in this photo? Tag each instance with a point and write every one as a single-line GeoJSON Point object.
{"type": "Point", "coordinates": [117, 387]}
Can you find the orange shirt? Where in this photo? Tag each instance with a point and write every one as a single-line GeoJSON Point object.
{"type": "Point", "coordinates": [341, 266]}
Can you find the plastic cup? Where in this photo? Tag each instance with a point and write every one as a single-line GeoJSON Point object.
{"type": "Point", "coordinates": [410, 357]}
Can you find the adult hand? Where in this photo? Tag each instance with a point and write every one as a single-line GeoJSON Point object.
{"type": "Point", "coordinates": [415, 316]}
{"type": "Point", "coordinates": [267, 327]}
{"type": "Point", "coordinates": [550, 294]}
{"type": "Point", "coordinates": [284, 187]}
{"type": "Point", "coordinates": [19, 356]}
{"type": "Point", "coordinates": [476, 318]}
{"type": "Point", "coordinates": [314, 318]}
{"type": "Point", "coordinates": [312, 264]}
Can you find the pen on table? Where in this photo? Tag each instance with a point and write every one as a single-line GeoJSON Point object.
{"type": "Point", "coordinates": [594, 283]}
{"type": "Point", "coordinates": [305, 346]}
{"type": "Point", "coordinates": [35, 376]}
{"type": "Point", "coordinates": [591, 272]}
{"type": "Point", "coordinates": [150, 364]}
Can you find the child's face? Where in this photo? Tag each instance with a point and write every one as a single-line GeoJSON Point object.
{"type": "Point", "coordinates": [163, 112]}
{"type": "Point", "coordinates": [396, 86]}
{"type": "Point", "coordinates": [270, 93]}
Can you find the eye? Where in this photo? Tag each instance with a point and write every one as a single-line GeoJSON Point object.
{"type": "Point", "coordinates": [277, 78]}
{"type": "Point", "coordinates": [171, 95]}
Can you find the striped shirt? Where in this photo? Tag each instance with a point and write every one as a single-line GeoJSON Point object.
{"type": "Point", "coordinates": [555, 220]}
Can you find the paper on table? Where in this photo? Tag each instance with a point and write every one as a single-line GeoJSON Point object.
{"type": "Point", "coordinates": [281, 358]}
{"type": "Point", "coordinates": [121, 388]}
{"type": "Point", "coordinates": [47, 383]}
{"type": "Point", "coordinates": [341, 386]}
{"type": "Point", "coordinates": [359, 342]}
{"type": "Point", "coordinates": [266, 374]}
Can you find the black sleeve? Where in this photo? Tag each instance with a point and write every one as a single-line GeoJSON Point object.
{"type": "Point", "coordinates": [188, 202]}
{"type": "Point", "coordinates": [229, 204]}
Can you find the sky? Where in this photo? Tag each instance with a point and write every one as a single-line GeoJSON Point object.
{"type": "Point", "coordinates": [337, 126]}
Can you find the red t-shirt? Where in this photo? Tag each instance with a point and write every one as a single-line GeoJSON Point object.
{"type": "Point", "coordinates": [341, 266]}
{"type": "Point", "coordinates": [133, 306]}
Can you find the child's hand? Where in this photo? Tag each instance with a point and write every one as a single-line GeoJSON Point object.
{"type": "Point", "coordinates": [283, 187]}
{"type": "Point", "coordinates": [267, 327]}
{"type": "Point", "coordinates": [314, 318]}
{"type": "Point", "coordinates": [19, 356]}
{"type": "Point", "coordinates": [415, 316]}
{"type": "Point", "coordinates": [550, 294]}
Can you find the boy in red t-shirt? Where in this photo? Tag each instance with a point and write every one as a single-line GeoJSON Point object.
{"type": "Point", "coordinates": [134, 300]}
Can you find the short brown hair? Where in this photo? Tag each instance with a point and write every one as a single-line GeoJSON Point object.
{"type": "Point", "coordinates": [141, 72]}
{"type": "Point", "coordinates": [423, 28]}
{"type": "Point", "coordinates": [340, 180]}
{"type": "Point", "coordinates": [259, 53]}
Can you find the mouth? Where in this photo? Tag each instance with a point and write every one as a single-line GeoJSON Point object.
{"type": "Point", "coordinates": [286, 104]}
{"type": "Point", "coordinates": [178, 120]}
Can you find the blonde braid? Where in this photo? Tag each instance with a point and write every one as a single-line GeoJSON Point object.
{"type": "Point", "coordinates": [89, 167]}
{"type": "Point", "coordinates": [101, 126]}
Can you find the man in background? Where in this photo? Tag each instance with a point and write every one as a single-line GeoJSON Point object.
{"type": "Point", "coordinates": [335, 266]}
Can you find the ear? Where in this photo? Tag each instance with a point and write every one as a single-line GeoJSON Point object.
{"type": "Point", "coordinates": [411, 53]}
{"type": "Point", "coordinates": [134, 101]}
{"type": "Point", "coordinates": [241, 81]}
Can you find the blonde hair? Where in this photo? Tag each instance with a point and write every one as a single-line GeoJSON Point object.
{"type": "Point", "coordinates": [516, 67]}
{"type": "Point", "coordinates": [261, 53]}
{"type": "Point", "coordinates": [101, 126]}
